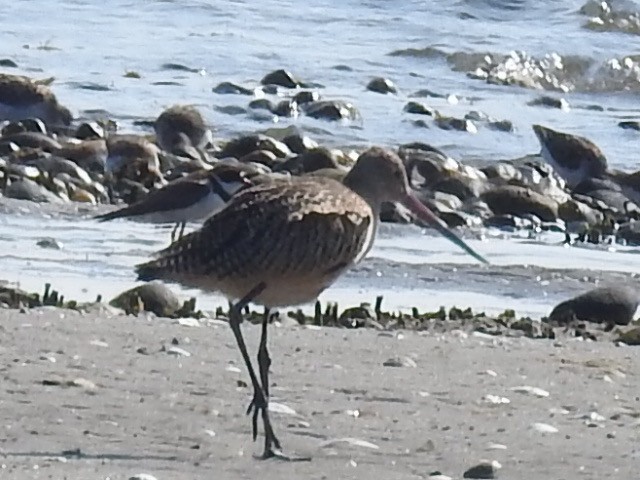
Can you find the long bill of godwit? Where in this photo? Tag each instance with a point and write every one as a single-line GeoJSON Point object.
{"type": "Point", "coordinates": [282, 243]}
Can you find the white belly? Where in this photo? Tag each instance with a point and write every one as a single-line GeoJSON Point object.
{"type": "Point", "coordinates": [572, 177]}
{"type": "Point", "coordinates": [194, 213]}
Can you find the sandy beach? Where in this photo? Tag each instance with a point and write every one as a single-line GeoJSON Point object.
{"type": "Point", "coordinates": [99, 396]}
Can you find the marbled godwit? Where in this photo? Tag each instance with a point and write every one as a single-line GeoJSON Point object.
{"type": "Point", "coordinates": [575, 158]}
{"type": "Point", "coordinates": [22, 98]}
{"type": "Point", "coordinates": [181, 130]}
{"type": "Point", "coordinates": [282, 243]}
{"type": "Point", "coordinates": [192, 198]}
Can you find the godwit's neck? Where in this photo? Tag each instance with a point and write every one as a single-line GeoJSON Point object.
{"type": "Point", "coordinates": [363, 188]}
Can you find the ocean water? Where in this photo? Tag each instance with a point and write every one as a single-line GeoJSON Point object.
{"type": "Point", "coordinates": [88, 46]}
{"type": "Point", "coordinates": [88, 43]}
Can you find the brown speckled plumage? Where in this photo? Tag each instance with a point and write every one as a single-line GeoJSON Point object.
{"type": "Point", "coordinates": [22, 98]}
{"type": "Point", "coordinates": [296, 235]}
{"type": "Point", "coordinates": [181, 130]}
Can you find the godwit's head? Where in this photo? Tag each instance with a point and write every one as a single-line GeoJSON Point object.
{"type": "Point", "coordinates": [380, 176]}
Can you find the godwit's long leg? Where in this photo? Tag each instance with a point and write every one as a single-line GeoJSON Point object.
{"type": "Point", "coordinates": [260, 400]}
{"type": "Point", "coordinates": [173, 232]}
{"type": "Point", "coordinates": [264, 362]}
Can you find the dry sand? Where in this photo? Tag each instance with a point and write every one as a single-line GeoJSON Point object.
{"type": "Point", "coordinates": [89, 396]}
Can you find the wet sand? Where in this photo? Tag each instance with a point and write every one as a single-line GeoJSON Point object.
{"type": "Point", "coordinates": [97, 396]}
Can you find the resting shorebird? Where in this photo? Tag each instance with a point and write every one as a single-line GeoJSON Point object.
{"type": "Point", "coordinates": [282, 243]}
{"type": "Point", "coordinates": [22, 98]}
{"type": "Point", "coordinates": [192, 198]}
{"type": "Point", "coordinates": [181, 130]}
{"type": "Point", "coordinates": [575, 158]}
{"type": "Point", "coordinates": [584, 167]}
{"type": "Point", "coordinates": [130, 151]}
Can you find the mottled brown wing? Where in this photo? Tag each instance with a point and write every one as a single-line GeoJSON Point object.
{"type": "Point", "coordinates": [271, 231]}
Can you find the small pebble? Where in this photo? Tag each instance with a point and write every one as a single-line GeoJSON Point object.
{"type": "Point", "coordinates": [496, 399]}
{"type": "Point", "coordinates": [189, 322]}
{"type": "Point", "coordinates": [485, 469]}
{"type": "Point", "coordinates": [83, 383]}
{"type": "Point", "coordinates": [538, 392]}
{"type": "Point", "coordinates": [558, 411]}
{"type": "Point", "coordinates": [178, 352]}
{"type": "Point", "coordinates": [400, 362]}
{"type": "Point", "coordinates": [356, 442]}
{"type": "Point", "coordinates": [382, 85]}
{"type": "Point", "coordinates": [50, 243]}
{"type": "Point", "coordinates": [496, 446]}
{"type": "Point", "coordinates": [544, 428]}
{"type": "Point", "coordinates": [459, 333]}
{"type": "Point", "coordinates": [594, 417]}
{"type": "Point", "coordinates": [275, 407]}
{"type": "Point", "coordinates": [429, 446]}
{"type": "Point", "coordinates": [483, 335]}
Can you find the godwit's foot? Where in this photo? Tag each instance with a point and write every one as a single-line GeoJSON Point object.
{"type": "Point", "coordinates": [259, 405]}
{"type": "Point", "coordinates": [272, 448]}
{"type": "Point", "coordinates": [278, 455]}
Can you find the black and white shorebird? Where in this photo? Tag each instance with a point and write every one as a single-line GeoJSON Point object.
{"type": "Point", "coordinates": [192, 198]}
{"type": "Point", "coordinates": [583, 166]}
{"type": "Point", "coordinates": [576, 159]}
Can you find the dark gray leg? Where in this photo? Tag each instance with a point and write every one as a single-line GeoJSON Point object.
{"type": "Point", "coordinates": [173, 232]}
{"type": "Point", "coordinates": [260, 402]}
{"type": "Point", "coordinates": [264, 362]}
